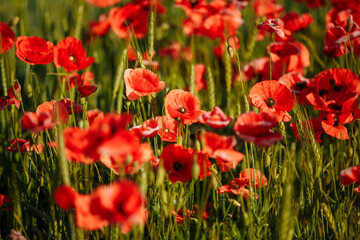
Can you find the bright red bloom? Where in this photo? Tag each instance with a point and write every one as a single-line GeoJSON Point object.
{"type": "Point", "coordinates": [76, 145]}
{"type": "Point", "coordinates": [87, 90]}
{"type": "Point", "coordinates": [22, 145]}
{"type": "Point", "coordinates": [256, 127]}
{"type": "Point", "coordinates": [168, 128]}
{"type": "Point", "coordinates": [4, 199]}
{"type": "Point", "coordinates": [298, 85]}
{"type": "Point", "coordinates": [36, 123]}
{"type": "Point", "coordinates": [7, 37]}
{"type": "Point", "coordinates": [295, 22]}
{"type": "Point", "coordinates": [130, 161]}
{"type": "Point", "coordinates": [174, 50]}
{"type": "Point", "coordinates": [350, 175]}
{"type": "Point", "coordinates": [221, 149]}
{"type": "Point", "coordinates": [103, 3]}
{"type": "Point", "coordinates": [57, 109]}
{"type": "Point", "coordinates": [11, 98]}
{"type": "Point", "coordinates": [216, 118]}
{"type": "Point", "coordinates": [100, 27]}
{"type": "Point", "coordinates": [261, 66]}
{"type": "Point", "coordinates": [272, 25]}
{"type": "Point", "coordinates": [149, 128]}
{"type": "Point", "coordinates": [183, 104]}
{"type": "Point", "coordinates": [70, 54]}
{"type": "Point", "coordinates": [141, 82]}
{"type": "Point", "coordinates": [273, 97]}
{"type": "Point", "coordinates": [178, 161]}
{"type": "Point", "coordinates": [237, 186]}
{"type": "Point", "coordinates": [127, 18]}
{"type": "Point", "coordinates": [78, 80]}
{"type": "Point", "coordinates": [75, 106]}
{"type": "Point", "coordinates": [313, 3]}
{"type": "Point", "coordinates": [34, 50]}
{"type": "Point", "coordinates": [200, 81]}
{"type": "Point", "coordinates": [121, 202]}
{"type": "Point", "coordinates": [313, 125]}
{"type": "Point", "coordinates": [268, 8]}
{"type": "Point", "coordinates": [295, 56]}
{"type": "Point", "coordinates": [333, 125]}
{"type": "Point", "coordinates": [94, 115]}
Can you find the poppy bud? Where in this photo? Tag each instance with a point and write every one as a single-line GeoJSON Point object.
{"type": "Point", "coordinates": [213, 182]}
{"type": "Point", "coordinates": [230, 51]}
{"type": "Point", "coordinates": [198, 145]}
{"type": "Point", "coordinates": [196, 168]}
{"type": "Point", "coordinates": [29, 90]}
{"type": "Point", "coordinates": [14, 21]}
{"type": "Point", "coordinates": [350, 23]}
{"type": "Point", "coordinates": [160, 174]}
{"type": "Point", "coordinates": [235, 203]}
{"type": "Point", "coordinates": [163, 196]}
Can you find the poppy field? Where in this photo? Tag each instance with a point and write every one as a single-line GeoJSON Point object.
{"type": "Point", "coordinates": [179, 119]}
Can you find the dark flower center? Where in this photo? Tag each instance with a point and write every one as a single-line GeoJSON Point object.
{"type": "Point", "coordinates": [126, 23]}
{"type": "Point", "coordinates": [300, 85]}
{"type": "Point", "coordinates": [177, 166]}
{"type": "Point", "coordinates": [193, 3]}
{"type": "Point", "coordinates": [336, 121]}
{"type": "Point", "coordinates": [332, 82]}
{"type": "Point", "coordinates": [323, 92]}
{"type": "Point", "coordinates": [337, 88]}
{"type": "Point", "coordinates": [182, 110]}
{"type": "Point", "coordinates": [72, 58]}
{"type": "Point", "coordinates": [270, 102]}
{"type": "Point", "coordinates": [335, 106]}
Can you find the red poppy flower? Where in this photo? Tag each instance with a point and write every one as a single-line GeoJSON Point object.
{"type": "Point", "coordinates": [295, 56]}
{"type": "Point", "coordinates": [22, 145]}
{"type": "Point", "coordinates": [141, 82]}
{"type": "Point", "coordinates": [168, 128]}
{"type": "Point", "coordinates": [178, 161]}
{"type": "Point", "coordinates": [4, 199]}
{"type": "Point", "coordinates": [333, 125]}
{"type": "Point", "coordinates": [179, 103]}
{"type": "Point", "coordinates": [221, 149]}
{"type": "Point", "coordinates": [71, 106]}
{"type": "Point", "coordinates": [313, 125]}
{"type": "Point", "coordinates": [65, 197]}
{"type": "Point", "coordinates": [268, 8]}
{"type": "Point", "coordinates": [57, 109]}
{"type": "Point", "coordinates": [94, 115]}
{"type": "Point", "coordinates": [34, 50]}
{"type": "Point", "coordinates": [70, 54]}
{"type": "Point", "coordinates": [272, 25]}
{"type": "Point", "coordinates": [87, 90]}
{"type": "Point", "coordinates": [298, 84]}
{"type": "Point", "coordinates": [295, 22]}
{"type": "Point", "coordinates": [100, 27]}
{"type": "Point", "coordinates": [174, 50]}
{"type": "Point", "coordinates": [256, 127]}
{"type": "Point", "coordinates": [313, 3]}
{"type": "Point", "coordinates": [130, 17]}
{"type": "Point", "coordinates": [7, 38]}
{"type": "Point", "coordinates": [76, 145]}
{"type": "Point", "coordinates": [76, 79]}
{"type": "Point", "coordinates": [350, 175]}
{"type": "Point", "coordinates": [13, 94]}
{"type": "Point", "coordinates": [131, 161]}
{"type": "Point", "coordinates": [36, 123]}
{"type": "Point", "coordinates": [149, 128]}
{"type": "Point", "coordinates": [200, 81]}
{"type": "Point", "coordinates": [237, 186]}
{"type": "Point", "coordinates": [216, 118]}
{"type": "Point", "coordinates": [121, 202]}
{"type": "Point", "coordinates": [103, 3]}
{"type": "Point", "coordinates": [273, 97]}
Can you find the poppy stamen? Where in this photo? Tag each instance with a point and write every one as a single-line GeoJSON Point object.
{"type": "Point", "coordinates": [182, 110]}
{"type": "Point", "coordinates": [301, 85]}
{"type": "Point", "coordinates": [271, 102]}
{"type": "Point", "coordinates": [166, 130]}
{"type": "Point", "coordinates": [332, 81]}
{"type": "Point", "coordinates": [177, 166]}
{"type": "Point", "coordinates": [72, 58]}
{"type": "Point", "coordinates": [337, 88]}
